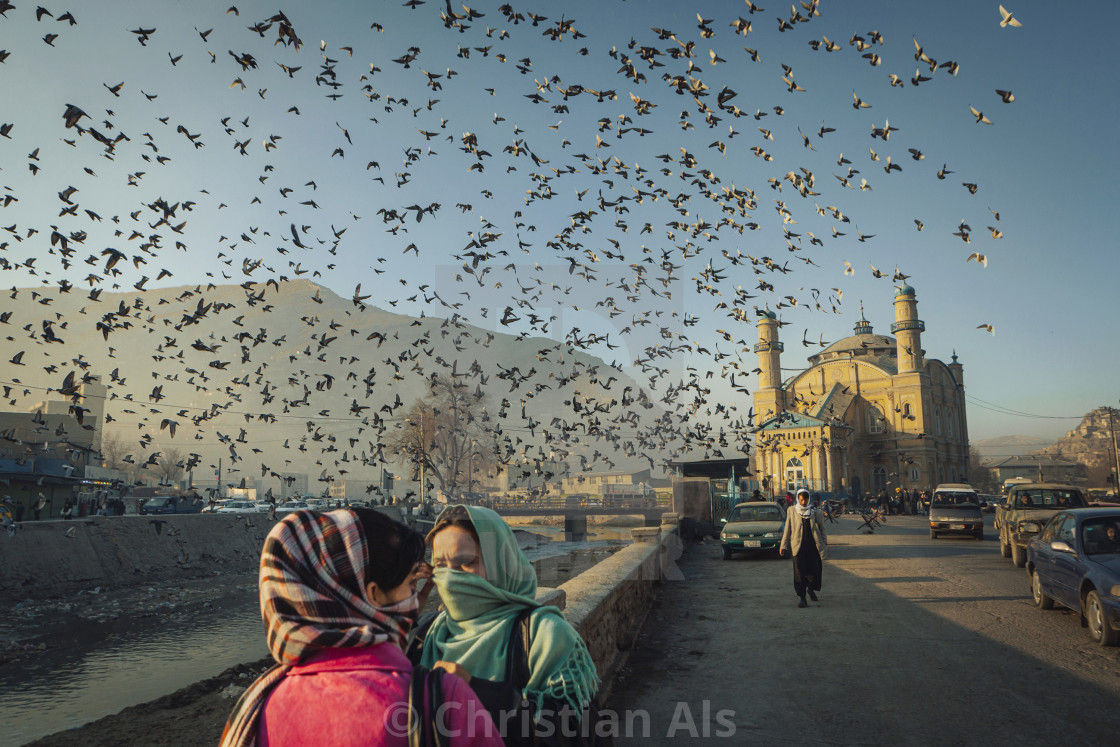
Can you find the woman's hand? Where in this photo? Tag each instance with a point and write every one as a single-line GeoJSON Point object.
{"type": "Point", "coordinates": [452, 668]}
{"type": "Point", "coordinates": [422, 572]}
{"type": "Point", "coordinates": [781, 552]}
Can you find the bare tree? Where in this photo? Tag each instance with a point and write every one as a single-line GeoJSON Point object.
{"type": "Point", "coordinates": [113, 449]}
{"type": "Point", "coordinates": [170, 465]}
{"type": "Point", "coordinates": [446, 435]}
{"type": "Point", "coordinates": [979, 476]}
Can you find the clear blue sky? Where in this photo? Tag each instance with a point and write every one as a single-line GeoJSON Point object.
{"type": "Point", "coordinates": [1045, 164]}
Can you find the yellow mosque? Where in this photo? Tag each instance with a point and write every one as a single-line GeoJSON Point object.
{"type": "Point", "coordinates": [870, 412]}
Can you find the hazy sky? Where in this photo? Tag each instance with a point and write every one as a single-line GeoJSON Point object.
{"type": "Point", "coordinates": [482, 156]}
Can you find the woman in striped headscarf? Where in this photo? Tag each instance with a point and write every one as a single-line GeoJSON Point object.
{"type": "Point", "coordinates": [338, 597]}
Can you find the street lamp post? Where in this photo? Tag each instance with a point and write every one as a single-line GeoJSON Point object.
{"type": "Point", "coordinates": [419, 452]}
{"type": "Point", "coordinates": [1115, 456]}
{"type": "Point", "coordinates": [470, 471]}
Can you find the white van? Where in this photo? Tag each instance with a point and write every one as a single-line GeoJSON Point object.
{"type": "Point", "coordinates": [955, 509]}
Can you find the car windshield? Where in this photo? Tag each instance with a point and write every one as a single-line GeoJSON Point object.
{"type": "Point", "coordinates": [1054, 498]}
{"type": "Point", "coordinates": [1101, 536]}
{"type": "Point", "coordinates": [755, 513]}
{"type": "Point", "coordinates": [159, 502]}
{"type": "Point", "coordinates": [954, 498]}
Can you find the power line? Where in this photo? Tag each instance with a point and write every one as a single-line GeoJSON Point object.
{"type": "Point", "coordinates": [1019, 413]}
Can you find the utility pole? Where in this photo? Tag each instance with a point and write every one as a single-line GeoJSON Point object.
{"type": "Point", "coordinates": [220, 494]}
{"type": "Point", "coordinates": [1115, 458]}
{"type": "Point", "coordinates": [421, 455]}
{"type": "Point", "coordinates": [470, 471]}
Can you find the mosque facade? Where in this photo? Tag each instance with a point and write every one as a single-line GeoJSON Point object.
{"type": "Point", "coordinates": [870, 413]}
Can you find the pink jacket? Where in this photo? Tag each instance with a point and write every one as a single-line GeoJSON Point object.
{"type": "Point", "coordinates": [359, 696]}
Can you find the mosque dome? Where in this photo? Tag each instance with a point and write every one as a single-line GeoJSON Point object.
{"type": "Point", "coordinates": [862, 344]}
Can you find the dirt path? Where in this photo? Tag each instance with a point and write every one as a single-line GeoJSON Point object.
{"type": "Point", "coordinates": [914, 642]}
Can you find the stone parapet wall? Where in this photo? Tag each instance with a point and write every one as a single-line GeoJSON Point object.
{"type": "Point", "coordinates": [608, 603]}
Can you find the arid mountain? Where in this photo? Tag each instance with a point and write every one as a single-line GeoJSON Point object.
{"type": "Point", "coordinates": [1091, 443]}
{"type": "Point", "coordinates": [1005, 446]}
{"type": "Point", "coordinates": [293, 378]}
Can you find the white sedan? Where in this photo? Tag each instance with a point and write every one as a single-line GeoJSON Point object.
{"type": "Point", "coordinates": [286, 508]}
{"type": "Point", "coordinates": [238, 507]}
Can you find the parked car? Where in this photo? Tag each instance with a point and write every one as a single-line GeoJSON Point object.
{"type": "Point", "coordinates": [238, 507]}
{"type": "Point", "coordinates": [289, 506]}
{"type": "Point", "coordinates": [1027, 508]}
{"type": "Point", "coordinates": [753, 527]}
{"type": "Point", "coordinates": [1075, 561]}
{"type": "Point", "coordinates": [955, 509]}
{"type": "Point", "coordinates": [171, 504]}
{"type": "Point", "coordinates": [988, 503]}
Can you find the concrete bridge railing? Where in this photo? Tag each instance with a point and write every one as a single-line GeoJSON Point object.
{"type": "Point", "coordinates": [608, 603]}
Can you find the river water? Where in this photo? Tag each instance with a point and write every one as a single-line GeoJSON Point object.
{"type": "Point", "coordinates": [94, 669]}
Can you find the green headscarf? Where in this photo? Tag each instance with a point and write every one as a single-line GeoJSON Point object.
{"type": "Point", "coordinates": [474, 629]}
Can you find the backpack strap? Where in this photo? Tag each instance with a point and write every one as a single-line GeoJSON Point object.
{"type": "Point", "coordinates": [416, 707]}
{"type": "Point", "coordinates": [435, 719]}
{"type": "Point", "coordinates": [517, 654]}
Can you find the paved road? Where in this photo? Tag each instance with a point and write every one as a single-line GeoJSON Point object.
{"type": "Point", "coordinates": [914, 641]}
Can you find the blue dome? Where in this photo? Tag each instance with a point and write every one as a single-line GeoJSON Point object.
{"type": "Point", "coordinates": [766, 313]}
{"type": "Point", "coordinates": [906, 290]}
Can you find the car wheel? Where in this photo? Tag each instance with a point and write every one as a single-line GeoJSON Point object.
{"type": "Point", "coordinates": [1099, 628]}
{"type": "Point", "coordinates": [1004, 548]}
{"type": "Point", "coordinates": [932, 534]}
{"type": "Point", "coordinates": [1018, 556]}
{"type": "Point", "coordinates": [1041, 599]}
{"type": "Point", "coordinates": [726, 552]}
{"type": "Point", "coordinates": [980, 535]}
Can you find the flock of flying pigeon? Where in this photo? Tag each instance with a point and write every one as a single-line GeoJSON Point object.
{"type": "Point", "coordinates": [345, 155]}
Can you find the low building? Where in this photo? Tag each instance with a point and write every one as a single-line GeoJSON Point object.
{"type": "Point", "coordinates": [1038, 468]}
{"type": "Point", "coordinates": [589, 482]}
{"type": "Point", "coordinates": [44, 452]}
{"type": "Point", "coordinates": [292, 484]}
{"type": "Point", "coordinates": [355, 491]}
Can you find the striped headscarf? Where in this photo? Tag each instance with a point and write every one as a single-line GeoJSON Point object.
{"type": "Point", "coordinates": [312, 590]}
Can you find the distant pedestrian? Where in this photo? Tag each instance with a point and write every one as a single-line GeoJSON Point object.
{"type": "Point", "coordinates": [19, 511]}
{"type": "Point", "coordinates": [38, 507]}
{"type": "Point", "coordinates": [756, 496]}
{"type": "Point", "coordinates": [804, 538]}
{"type": "Point", "coordinates": [67, 511]}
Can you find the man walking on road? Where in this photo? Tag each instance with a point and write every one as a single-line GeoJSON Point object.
{"type": "Point", "coordinates": [804, 537]}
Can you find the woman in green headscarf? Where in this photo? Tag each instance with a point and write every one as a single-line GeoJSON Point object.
{"type": "Point", "coordinates": [487, 586]}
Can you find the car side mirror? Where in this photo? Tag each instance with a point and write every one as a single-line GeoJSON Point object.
{"type": "Point", "coordinates": [1062, 546]}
